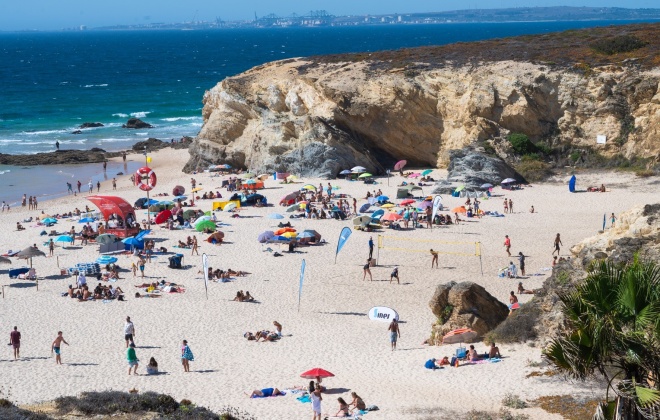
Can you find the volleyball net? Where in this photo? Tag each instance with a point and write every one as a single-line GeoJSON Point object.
{"type": "Point", "coordinates": [457, 248]}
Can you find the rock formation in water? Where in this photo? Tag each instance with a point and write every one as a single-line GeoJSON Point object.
{"type": "Point", "coordinates": [136, 123]}
{"type": "Point", "coordinates": [319, 115]}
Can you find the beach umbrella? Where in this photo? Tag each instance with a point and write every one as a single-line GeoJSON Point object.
{"type": "Point", "coordinates": [249, 175]}
{"type": "Point", "coordinates": [365, 207]}
{"type": "Point", "coordinates": [180, 198]}
{"type": "Point", "coordinates": [377, 214]}
{"type": "Point", "coordinates": [284, 230]}
{"type": "Point", "coordinates": [201, 219]}
{"type": "Point", "coordinates": [265, 236]}
{"type": "Point", "coordinates": [424, 204]}
{"type": "Point", "coordinates": [458, 336]}
{"type": "Point", "coordinates": [308, 187]}
{"type": "Point", "coordinates": [188, 214]}
{"type": "Point", "coordinates": [162, 217]}
{"type": "Point", "coordinates": [486, 186]}
{"type": "Point", "coordinates": [406, 202]}
{"type": "Point", "coordinates": [460, 209]}
{"type": "Point", "coordinates": [4, 260]}
{"type": "Point", "coordinates": [306, 234]}
{"type": "Point", "coordinates": [178, 190]}
{"type": "Point", "coordinates": [345, 172]}
{"type": "Point", "coordinates": [230, 207]}
{"type": "Point", "coordinates": [208, 213]}
{"type": "Point", "coordinates": [279, 239]}
{"type": "Point", "coordinates": [196, 189]}
{"type": "Point", "coordinates": [29, 253]}
{"type": "Point", "coordinates": [399, 165]}
{"type": "Point", "coordinates": [131, 241]}
{"type": "Point", "coordinates": [106, 259]}
{"type": "Point", "coordinates": [290, 196]}
{"type": "Point", "coordinates": [289, 235]}
{"type": "Point", "coordinates": [358, 169]}
{"type": "Point", "coordinates": [275, 216]}
{"type": "Point", "coordinates": [426, 172]}
{"type": "Point", "coordinates": [316, 373]}
{"type": "Point", "coordinates": [382, 198]}
{"type": "Point", "coordinates": [44, 216]}
{"type": "Point", "coordinates": [64, 238]}
{"type": "Point", "coordinates": [49, 221]}
{"type": "Point", "coordinates": [460, 188]}
{"type": "Point", "coordinates": [365, 175]}
{"type": "Point", "coordinates": [86, 220]}
{"type": "Point", "coordinates": [106, 238]}
{"type": "Point", "coordinates": [387, 206]}
{"type": "Point", "coordinates": [166, 203]}
{"type": "Point", "coordinates": [514, 306]}
{"type": "Point", "coordinates": [292, 208]}
{"type": "Point", "coordinates": [206, 224]}
{"type": "Point", "coordinates": [314, 233]}
{"type": "Point", "coordinates": [391, 216]}
{"type": "Point", "coordinates": [509, 181]}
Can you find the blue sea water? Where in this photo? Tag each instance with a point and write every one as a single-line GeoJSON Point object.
{"type": "Point", "coordinates": [52, 82]}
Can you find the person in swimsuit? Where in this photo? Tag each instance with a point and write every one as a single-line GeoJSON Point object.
{"type": "Point", "coordinates": [507, 244]}
{"type": "Point", "coordinates": [613, 219]}
{"type": "Point", "coordinates": [316, 398]}
{"type": "Point", "coordinates": [494, 351]}
{"type": "Point", "coordinates": [357, 402]}
{"type": "Point", "coordinates": [434, 258]}
{"type": "Point", "coordinates": [55, 347]}
{"type": "Point", "coordinates": [521, 263]}
{"type": "Point", "coordinates": [394, 333]}
{"type": "Point", "coordinates": [557, 243]}
{"type": "Point", "coordinates": [367, 270]}
{"type": "Point", "coordinates": [15, 341]}
{"type": "Point", "coordinates": [266, 392]}
{"type": "Point", "coordinates": [343, 408]}
{"type": "Point", "coordinates": [395, 275]}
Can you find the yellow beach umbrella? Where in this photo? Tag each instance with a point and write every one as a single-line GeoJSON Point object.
{"type": "Point", "coordinates": [196, 189]}
{"type": "Point", "coordinates": [289, 234]}
{"type": "Point", "coordinates": [387, 206]}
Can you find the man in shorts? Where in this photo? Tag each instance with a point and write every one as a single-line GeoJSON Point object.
{"type": "Point", "coordinates": [395, 275]}
{"type": "Point", "coordinates": [394, 333]}
{"type": "Point", "coordinates": [434, 258]}
{"type": "Point", "coordinates": [15, 341]}
{"type": "Point", "coordinates": [56, 347]}
{"type": "Point", "coordinates": [129, 331]}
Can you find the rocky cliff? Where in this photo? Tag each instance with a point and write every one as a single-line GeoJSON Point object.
{"type": "Point", "coordinates": [319, 115]}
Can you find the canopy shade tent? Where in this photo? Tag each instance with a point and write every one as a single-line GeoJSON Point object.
{"type": "Point", "coordinates": [109, 205]}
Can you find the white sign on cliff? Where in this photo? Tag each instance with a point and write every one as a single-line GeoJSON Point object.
{"type": "Point", "coordinates": [600, 139]}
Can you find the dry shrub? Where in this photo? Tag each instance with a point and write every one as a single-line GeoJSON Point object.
{"type": "Point", "coordinates": [518, 327]}
{"type": "Point", "coordinates": [568, 406]}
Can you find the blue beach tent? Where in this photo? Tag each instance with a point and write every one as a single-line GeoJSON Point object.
{"type": "Point", "coordinates": [571, 184]}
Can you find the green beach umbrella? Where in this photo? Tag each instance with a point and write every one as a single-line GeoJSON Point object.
{"type": "Point", "coordinates": [188, 214]}
{"type": "Point", "coordinates": [365, 175]}
{"type": "Point", "coordinates": [426, 172]}
{"type": "Point", "coordinates": [206, 224]}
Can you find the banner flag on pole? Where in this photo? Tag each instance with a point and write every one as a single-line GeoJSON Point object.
{"type": "Point", "coordinates": [302, 278]}
{"type": "Point", "coordinates": [148, 159]}
{"type": "Point", "coordinates": [343, 237]}
{"type": "Point", "coordinates": [437, 205]}
{"type": "Point", "coordinates": [205, 264]}
{"type": "Point", "coordinates": [604, 220]}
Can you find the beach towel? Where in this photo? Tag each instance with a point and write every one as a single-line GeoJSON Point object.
{"type": "Point", "coordinates": [304, 399]}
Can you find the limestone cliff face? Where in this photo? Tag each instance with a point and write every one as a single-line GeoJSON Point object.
{"type": "Point", "coordinates": [318, 118]}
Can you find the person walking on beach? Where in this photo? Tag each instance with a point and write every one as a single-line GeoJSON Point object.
{"type": "Point", "coordinates": [506, 206]}
{"type": "Point", "coordinates": [105, 165]}
{"type": "Point", "coordinates": [186, 356]}
{"type": "Point", "coordinates": [114, 183]}
{"type": "Point", "coordinates": [141, 264]}
{"type": "Point", "coordinates": [507, 244]}
{"type": "Point", "coordinates": [367, 271]}
{"type": "Point", "coordinates": [434, 258]}
{"type": "Point", "coordinates": [613, 219]}
{"type": "Point", "coordinates": [15, 341]}
{"type": "Point", "coordinates": [132, 359]}
{"type": "Point", "coordinates": [394, 333]}
{"type": "Point", "coordinates": [98, 186]}
{"type": "Point", "coordinates": [51, 247]}
{"type": "Point", "coordinates": [194, 246]}
{"type": "Point", "coordinates": [90, 185]}
{"type": "Point", "coordinates": [557, 243]}
{"type": "Point", "coordinates": [123, 156]}
{"type": "Point", "coordinates": [129, 331]}
{"type": "Point", "coordinates": [371, 247]}
{"type": "Point", "coordinates": [521, 262]}
{"type": "Point", "coordinates": [57, 145]}
{"type": "Point", "coordinates": [69, 188]}
{"type": "Point", "coordinates": [55, 347]}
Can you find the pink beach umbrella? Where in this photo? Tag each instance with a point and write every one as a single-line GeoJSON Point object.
{"type": "Point", "coordinates": [399, 165]}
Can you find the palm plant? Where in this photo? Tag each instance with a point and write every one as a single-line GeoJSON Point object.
{"type": "Point", "coordinates": [613, 331]}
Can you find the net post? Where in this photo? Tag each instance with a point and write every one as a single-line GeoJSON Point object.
{"type": "Point", "coordinates": [380, 243]}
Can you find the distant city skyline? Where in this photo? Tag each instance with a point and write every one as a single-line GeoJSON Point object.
{"type": "Point", "coordinates": [55, 15]}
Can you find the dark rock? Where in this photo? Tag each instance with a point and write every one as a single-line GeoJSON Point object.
{"type": "Point", "coordinates": [465, 305]}
{"type": "Point", "coordinates": [90, 125]}
{"type": "Point", "coordinates": [76, 132]}
{"type": "Point", "coordinates": [151, 144]}
{"type": "Point", "coordinates": [136, 123]}
{"type": "Point", "coordinates": [476, 168]}
{"type": "Point", "coordinates": [59, 157]}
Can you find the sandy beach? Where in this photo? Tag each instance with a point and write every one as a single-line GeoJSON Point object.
{"type": "Point", "coordinates": [330, 330]}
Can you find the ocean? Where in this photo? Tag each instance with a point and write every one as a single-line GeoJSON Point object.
{"type": "Point", "coordinates": [54, 81]}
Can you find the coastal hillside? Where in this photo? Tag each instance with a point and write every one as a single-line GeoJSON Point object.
{"type": "Point", "coordinates": [319, 115]}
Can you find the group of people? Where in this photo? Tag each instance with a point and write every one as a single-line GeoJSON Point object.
{"type": "Point", "coordinates": [265, 335]}
{"type": "Point", "coordinates": [31, 202]}
{"type": "Point", "coordinates": [243, 297]}
{"type": "Point", "coordinates": [100, 292]}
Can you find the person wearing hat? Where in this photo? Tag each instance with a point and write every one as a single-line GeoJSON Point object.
{"type": "Point", "coordinates": [132, 359]}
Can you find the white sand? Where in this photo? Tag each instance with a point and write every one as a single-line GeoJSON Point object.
{"type": "Point", "coordinates": [331, 329]}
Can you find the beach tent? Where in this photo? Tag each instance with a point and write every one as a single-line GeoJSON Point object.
{"type": "Point", "coordinates": [571, 184]}
{"type": "Point", "coordinates": [253, 198]}
{"type": "Point", "coordinates": [407, 190]}
{"type": "Point", "coordinates": [205, 225]}
{"type": "Point", "coordinates": [106, 238]}
{"type": "Point", "coordinates": [361, 221]}
{"type": "Point", "coordinates": [188, 214]}
{"type": "Point", "coordinates": [111, 205]}
{"type": "Point", "coordinates": [310, 233]}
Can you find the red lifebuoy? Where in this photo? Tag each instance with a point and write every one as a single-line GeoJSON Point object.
{"type": "Point", "coordinates": [145, 179]}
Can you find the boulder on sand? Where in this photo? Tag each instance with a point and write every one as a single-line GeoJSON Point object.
{"type": "Point", "coordinates": [136, 123]}
{"type": "Point", "coordinates": [464, 305]}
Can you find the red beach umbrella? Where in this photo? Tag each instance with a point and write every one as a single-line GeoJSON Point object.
{"type": "Point", "coordinates": [406, 202]}
{"type": "Point", "coordinates": [458, 336]}
{"type": "Point", "coordinates": [400, 164]}
{"type": "Point", "coordinates": [178, 190]}
{"type": "Point", "coordinates": [316, 372]}
{"type": "Point", "coordinates": [162, 217]}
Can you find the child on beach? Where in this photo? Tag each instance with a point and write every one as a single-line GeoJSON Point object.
{"type": "Point", "coordinates": [55, 347]}
{"type": "Point", "coordinates": [186, 356]}
{"type": "Point", "coordinates": [134, 268]}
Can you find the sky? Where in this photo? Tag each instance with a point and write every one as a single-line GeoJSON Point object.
{"type": "Point", "coordinates": [58, 14]}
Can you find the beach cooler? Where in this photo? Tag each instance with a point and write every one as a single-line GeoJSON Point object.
{"type": "Point", "coordinates": [175, 261]}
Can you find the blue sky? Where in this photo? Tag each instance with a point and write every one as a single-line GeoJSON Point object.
{"type": "Point", "coordinates": [57, 14]}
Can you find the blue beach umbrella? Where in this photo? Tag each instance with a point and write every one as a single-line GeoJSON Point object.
{"type": "Point", "coordinates": [383, 198]}
{"type": "Point", "coordinates": [49, 221]}
{"type": "Point", "coordinates": [180, 198]}
{"type": "Point", "coordinates": [64, 238]}
{"type": "Point", "coordinates": [86, 220]}
{"type": "Point", "coordinates": [275, 216]}
{"type": "Point", "coordinates": [365, 207]}
{"type": "Point", "coordinates": [306, 234]}
{"type": "Point", "coordinates": [131, 241]}
{"type": "Point", "coordinates": [426, 172]}
{"type": "Point", "coordinates": [106, 259]}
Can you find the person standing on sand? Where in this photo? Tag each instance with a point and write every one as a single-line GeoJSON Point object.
{"type": "Point", "coordinates": [613, 219]}
{"type": "Point", "coordinates": [434, 258]}
{"type": "Point", "coordinates": [123, 156]}
{"type": "Point", "coordinates": [394, 333]}
{"type": "Point", "coordinates": [114, 183]}
{"type": "Point", "coordinates": [141, 263]}
{"type": "Point", "coordinates": [105, 165]}
{"type": "Point", "coordinates": [15, 341]}
{"type": "Point", "coordinates": [55, 347]}
{"type": "Point", "coordinates": [510, 206]}
{"type": "Point", "coordinates": [371, 247]}
{"type": "Point", "coordinates": [132, 359]}
{"type": "Point", "coordinates": [506, 206]}
{"type": "Point", "coordinates": [507, 244]}
{"type": "Point", "coordinates": [90, 185]}
{"type": "Point", "coordinates": [557, 243]}
{"type": "Point", "coordinates": [194, 246]}
{"type": "Point", "coordinates": [69, 188]}
{"type": "Point", "coordinates": [57, 145]}
{"type": "Point", "coordinates": [79, 185]}
{"type": "Point", "coordinates": [429, 222]}
{"type": "Point", "coordinates": [129, 331]}
{"type": "Point", "coordinates": [51, 247]}
{"type": "Point", "coordinates": [98, 186]}
{"type": "Point", "coordinates": [367, 271]}
{"type": "Point", "coordinates": [186, 356]}
{"type": "Point", "coordinates": [34, 203]}
{"type": "Point", "coordinates": [521, 262]}
{"type": "Point", "coordinates": [316, 398]}
{"type": "Point", "coordinates": [354, 205]}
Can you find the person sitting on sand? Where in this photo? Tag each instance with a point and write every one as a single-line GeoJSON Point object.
{"type": "Point", "coordinates": [278, 328]}
{"type": "Point", "coordinates": [494, 351]}
{"type": "Point", "coordinates": [19, 226]}
{"type": "Point", "coordinates": [249, 336]}
{"type": "Point", "coordinates": [431, 364]}
{"type": "Point", "coordinates": [602, 188]}
{"type": "Point", "coordinates": [472, 354]}
{"type": "Point", "coordinates": [266, 392]}
{"type": "Point", "coordinates": [248, 297]}
{"type": "Point", "coordinates": [189, 241]}
{"type": "Point", "coordinates": [85, 294]}
{"type": "Point", "coordinates": [357, 402]}
{"type": "Point", "coordinates": [240, 297]}
{"type": "Point", "coordinates": [182, 244]}
{"type": "Point", "coordinates": [344, 411]}
{"type": "Point", "coordinates": [444, 361]}
{"type": "Point", "coordinates": [522, 290]}
{"type": "Point", "coordinates": [152, 367]}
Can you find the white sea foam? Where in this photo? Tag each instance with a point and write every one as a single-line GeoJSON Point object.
{"type": "Point", "coordinates": [140, 114]}
{"type": "Point", "coordinates": [120, 115]}
{"type": "Point", "coordinates": [42, 133]}
{"type": "Point", "coordinates": [172, 119]}
{"type": "Point", "coordinates": [101, 85]}
{"type": "Point", "coordinates": [4, 172]}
